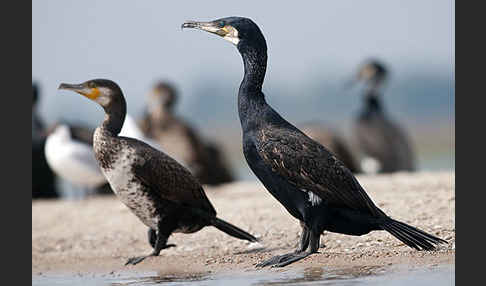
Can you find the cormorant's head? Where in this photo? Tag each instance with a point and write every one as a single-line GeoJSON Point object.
{"type": "Point", "coordinates": [162, 96]}
{"type": "Point", "coordinates": [105, 92]}
{"type": "Point", "coordinates": [237, 30]}
{"type": "Point", "coordinates": [372, 71]}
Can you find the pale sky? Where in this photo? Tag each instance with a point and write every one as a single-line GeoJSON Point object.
{"type": "Point", "coordinates": [137, 42]}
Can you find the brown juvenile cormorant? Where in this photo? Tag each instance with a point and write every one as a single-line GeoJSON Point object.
{"type": "Point", "coordinates": [69, 152]}
{"type": "Point", "coordinates": [158, 190]}
{"type": "Point", "coordinates": [205, 160]}
{"type": "Point", "coordinates": [379, 138]}
{"type": "Point", "coordinates": [307, 179]}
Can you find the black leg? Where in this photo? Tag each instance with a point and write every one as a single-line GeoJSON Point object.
{"type": "Point", "coordinates": [152, 237]}
{"type": "Point", "coordinates": [160, 243]}
{"type": "Point", "coordinates": [314, 246]}
{"type": "Point", "coordinates": [304, 239]}
{"type": "Point", "coordinates": [304, 243]}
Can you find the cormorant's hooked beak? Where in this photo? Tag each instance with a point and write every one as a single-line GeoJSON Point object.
{"type": "Point", "coordinates": [83, 89]}
{"type": "Point", "coordinates": [210, 27]}
{"type": "Point", "coordinates": [227, 32]}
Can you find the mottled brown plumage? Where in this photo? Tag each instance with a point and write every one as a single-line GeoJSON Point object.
{"type": "Point", "coordinates": [156, 188]}
{"type": "Point", "coordinates": [182, 188]}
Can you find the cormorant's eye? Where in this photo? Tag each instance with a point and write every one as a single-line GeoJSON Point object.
{"type": "Point", "coordinates": [221, 23]}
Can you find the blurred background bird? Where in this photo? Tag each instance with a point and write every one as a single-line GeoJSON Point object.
{"type": "Point", "coordinates": [385, 145]}
{"type": "Point", "coordinates": [43, 179]}
{"type": "Point", "coordinates": [334, 141]}
{"type": "Point", "coordinates": [71, 159]}
{"type": "Point", "coordinates": [180, 140]}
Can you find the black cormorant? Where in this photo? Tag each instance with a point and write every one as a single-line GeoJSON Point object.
{"type": "Point", "coordinates": [180, 140]}
{"type": "Point", "coordinates": [307, 179]}
{"type": "Point", "coordinates": [381, 140]}
{"type": "Point", "coordinates": [158, 190]}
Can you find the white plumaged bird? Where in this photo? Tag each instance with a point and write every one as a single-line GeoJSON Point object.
{"type": "Point", "coordinates": [131, 129]}
{"type": "Point", "coordinates": [74, 161]}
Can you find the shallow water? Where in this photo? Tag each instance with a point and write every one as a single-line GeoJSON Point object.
{"type": "Point", "coordinates": [441, 275]}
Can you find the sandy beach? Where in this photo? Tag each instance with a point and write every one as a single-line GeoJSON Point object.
{"type": "Point", "coordinates": [98, 234]}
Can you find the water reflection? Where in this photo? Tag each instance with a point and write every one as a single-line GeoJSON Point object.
{"type": "Point", "coordinates": [363, 276]}
{"type": "Point", "coordinates": [310, 275]}
{"type": "Point", "coordinates": [163, 279]}
{"type": "Point", "coordinates": [307, 276]}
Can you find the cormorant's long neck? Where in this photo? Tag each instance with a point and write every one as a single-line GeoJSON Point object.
{"type": "Point", "coordinates": [250, 96]}
{"type": "Point", "coordinates": [255, 62]}
{"type": "Point", "coordinates": [115, 116]}
{"type": "Point", "coordinates": [373, 104]}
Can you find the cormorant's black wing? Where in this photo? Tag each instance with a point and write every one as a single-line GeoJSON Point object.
{"type": "Point", "coordinates": [169, 179]}
{"type": "Point", "coordinates": [308, 165]}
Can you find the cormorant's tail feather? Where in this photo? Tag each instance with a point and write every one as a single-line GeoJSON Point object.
{"type": "Point", "coordinates": [410, 235]}
{"type": "Point", "coordinates": [232, 230]}
{"type": "Point", "coordinates": [225, 227]}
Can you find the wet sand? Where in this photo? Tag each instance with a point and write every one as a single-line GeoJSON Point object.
{"type": "Point", "coordinates": [98, 234]}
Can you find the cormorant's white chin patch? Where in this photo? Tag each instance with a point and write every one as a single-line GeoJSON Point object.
{"type": "Point", "coordinates": [233, 40]}
{"type": "Point", "coordinates": [103, 100]}
{"type": "Point", "coordinates": [104, 97]}
{"type": "Point", "coordinates": [232, 35]}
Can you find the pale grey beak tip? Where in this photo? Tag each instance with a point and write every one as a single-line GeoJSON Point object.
{"type": "Point", "coordinates": [189, 24]}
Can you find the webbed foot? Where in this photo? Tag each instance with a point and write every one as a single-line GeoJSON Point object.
{"type": "Point", "coordinates": [136, 260]}
{"type": "Point", "coordinates": [283, 260]}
